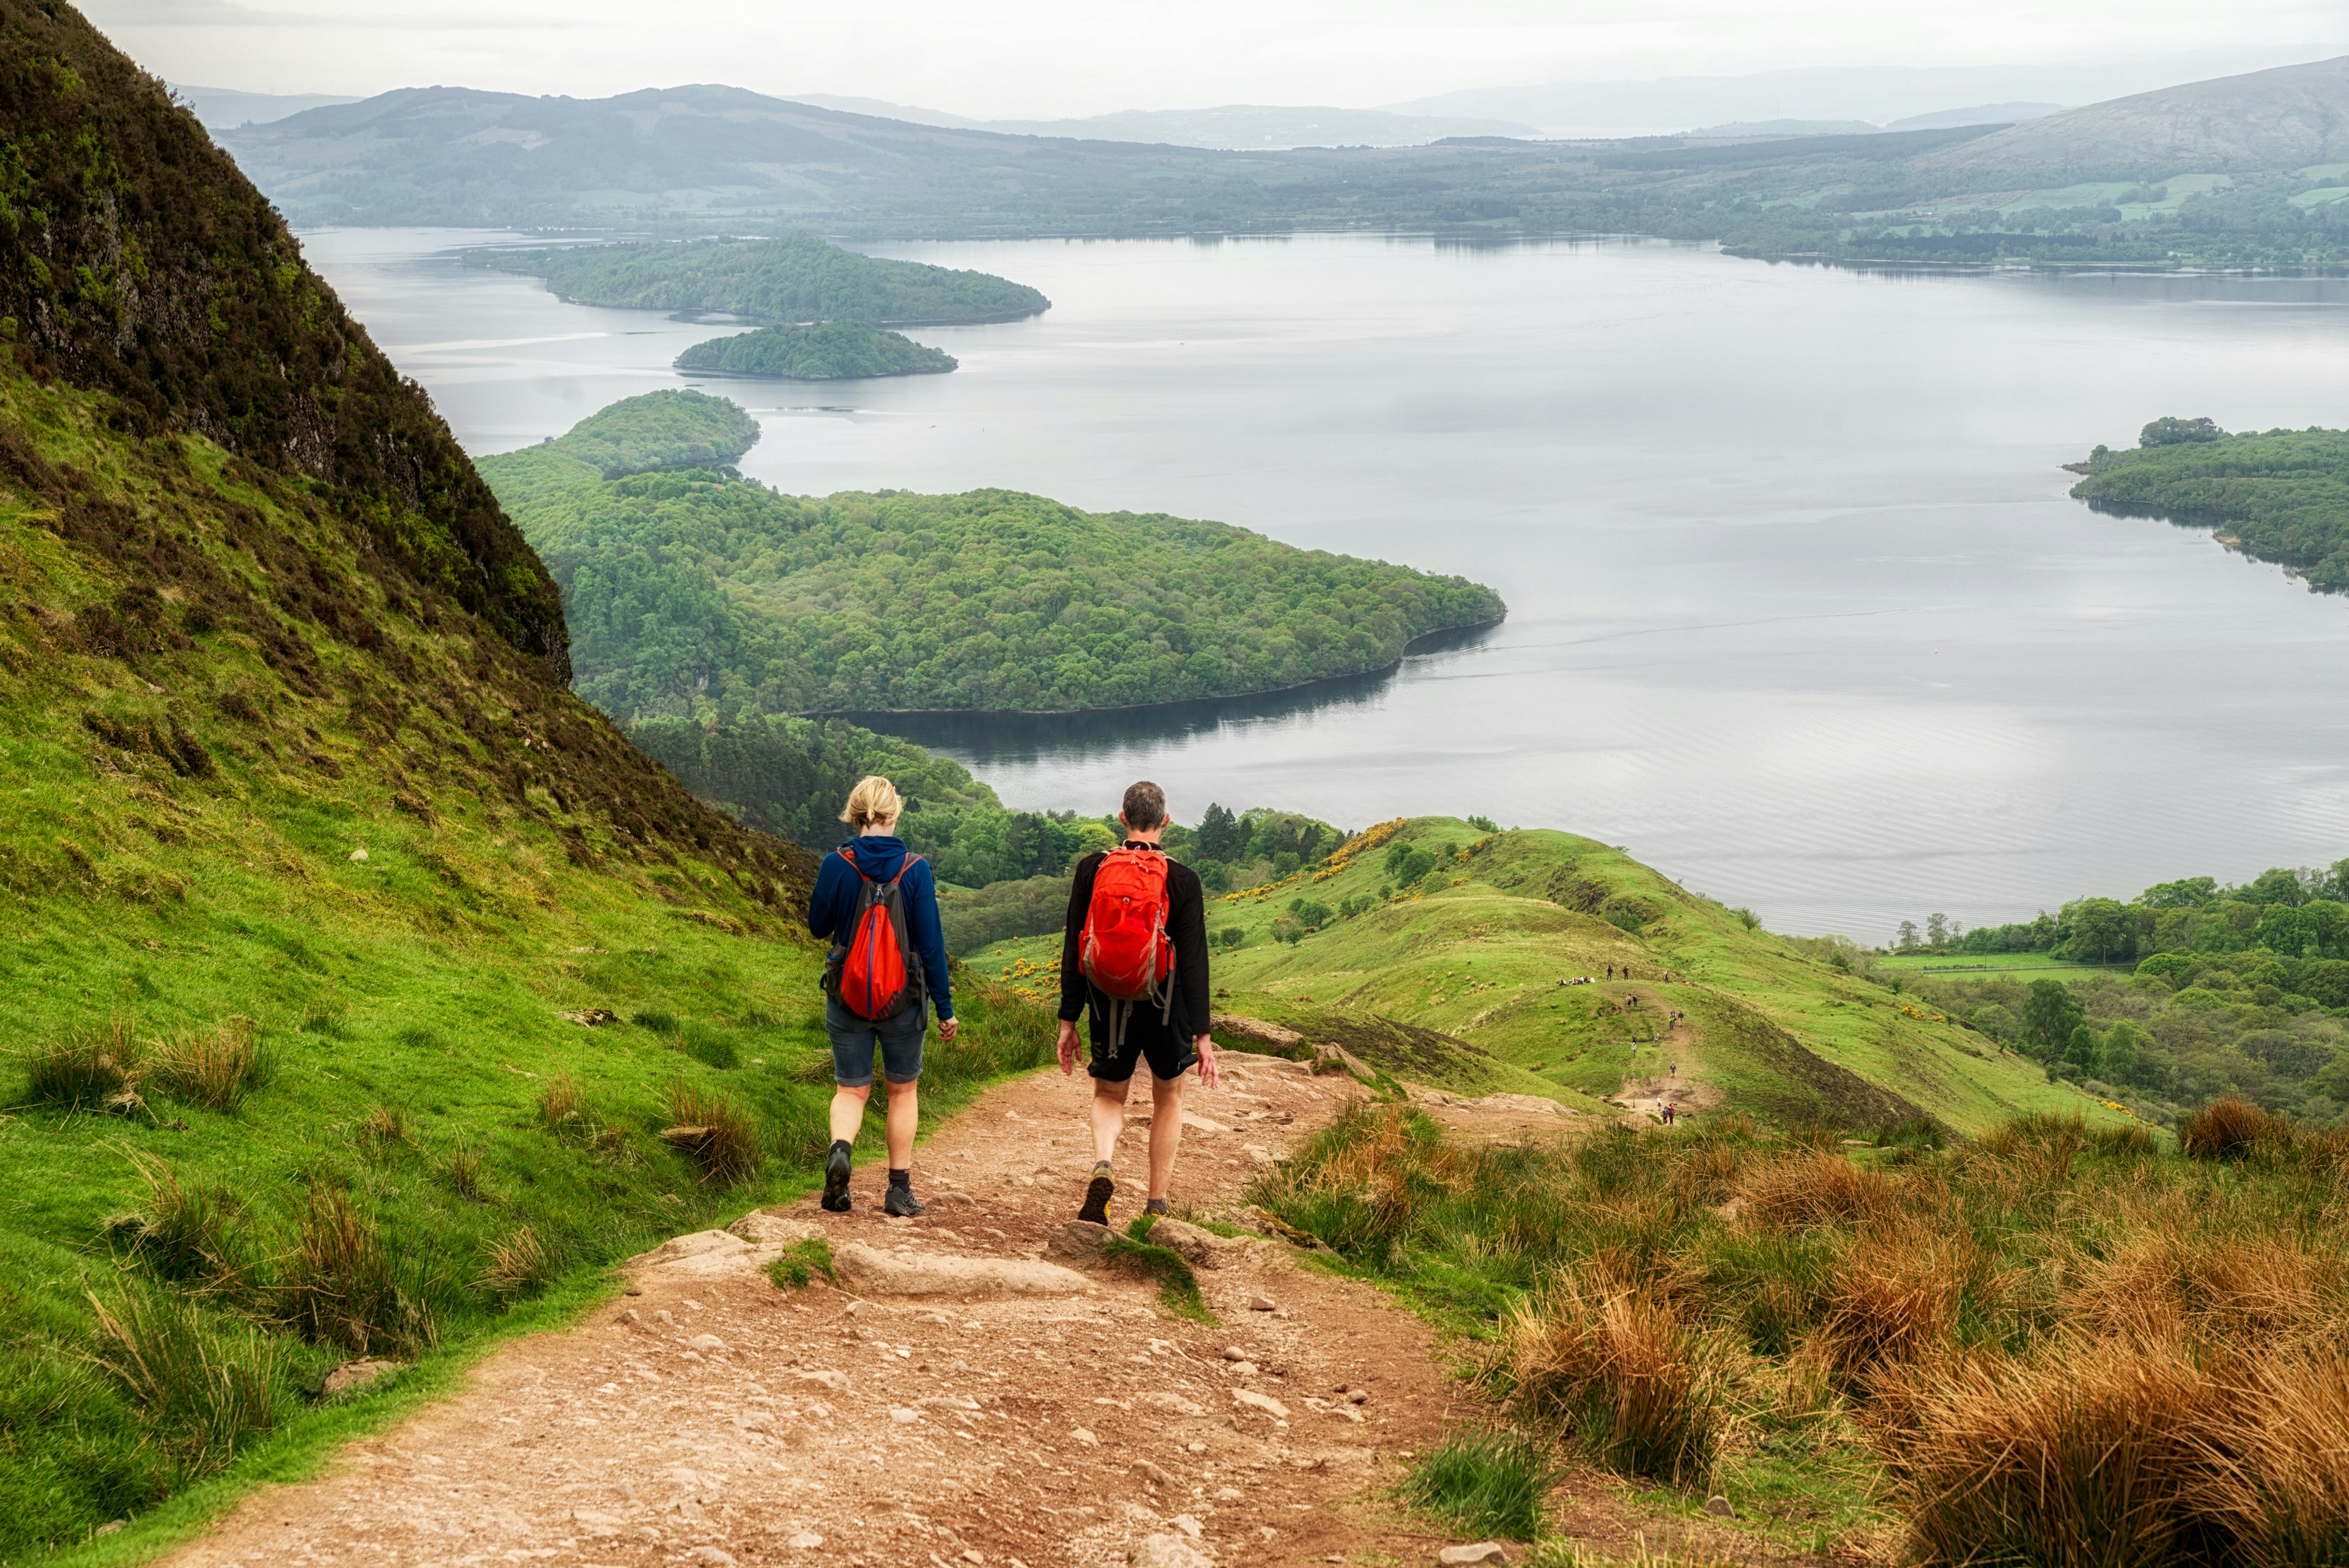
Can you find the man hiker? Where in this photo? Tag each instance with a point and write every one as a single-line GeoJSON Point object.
{"type": "Point", "coordinates": [1133, 959]}
{"type": "Point", "coordinates": [887, 969]}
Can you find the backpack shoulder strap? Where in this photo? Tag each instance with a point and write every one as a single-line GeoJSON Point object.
{"type": "Point", "coordinates": [911, 861]}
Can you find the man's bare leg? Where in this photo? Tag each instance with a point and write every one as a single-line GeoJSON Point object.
{"type": "Point", "coordinates": [905, 1116]}
{"type": "Point", "coordinates": [1109, 1118]}
{"type": "Point", "coordinates": [1166, 1131]}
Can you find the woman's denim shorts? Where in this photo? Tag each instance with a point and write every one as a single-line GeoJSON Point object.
{"type": "Point", "coordinates": [898, 1036]}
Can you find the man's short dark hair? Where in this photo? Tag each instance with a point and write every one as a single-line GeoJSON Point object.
{"type": "Point", "coordinates": [1145, 806]}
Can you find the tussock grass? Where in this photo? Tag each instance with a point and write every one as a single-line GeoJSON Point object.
{"type": "Point", "coordinates": [517, 1265]}
{"type": "Point", "coordinates": [717, 1131]}
{"type": "Point", "coordinates": [190, 1234]}
{"type": "Point", "coordinates": [2229, 1128]}
{"type": "Point", "coordinates": [342, 1286]}
{"type": "Point", "coordinates": [202, 1388]}
{"type": "Point", "coordinates": [1641, 1387]}
{"type": "Point", "coordinates": [218, 1068]}
{"type": "Point", "coordinates": [1490, 1482]}
{"type": "Point", "coordinates": [87, 1069]}
{"type": "Point", "coordinates": [464, 1173]}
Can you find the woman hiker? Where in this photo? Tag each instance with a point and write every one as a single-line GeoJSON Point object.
{"type": "Point", "coordinates": [876, 858]}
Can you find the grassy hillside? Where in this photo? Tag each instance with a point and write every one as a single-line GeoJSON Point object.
{"type": "Point", "coordinates": [367, 992]}
{"type": "Point", "coordinates": [1439, 925]}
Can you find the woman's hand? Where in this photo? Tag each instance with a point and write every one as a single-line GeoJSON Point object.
{"type": "Point", "coordinates": [948, 1028]}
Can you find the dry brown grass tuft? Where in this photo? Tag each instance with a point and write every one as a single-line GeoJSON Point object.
{"type": "Point", "coordinates": [89, 1069]}
{"type": "Point", "coordinates": [2127, 1142]}
{"type": "Point", "coordinates": [1707, 1174]}
{"type": "Point", "coordinates": [2249, 1291]}
{"type": "Point", "coordinates": [1896, 1299]}
{"type": "Point", "coordinates": [465, 1174]}
{"type": "Point", "coordinates": [2229, 1128]}
{"type": "Point", "coordinates": [562, 1108]}
{"type": "Point", "coordinates": [717, 1131]}
{"type": "Point", "coordinates": [1642, 1390]}
{"type": "Point", "coordinates": [1815, 1188]}
{"type": "Point", "coordinates": [219, 1068]}
{"type": "Point", "coordinates": [386, 1128]}
{"type": "Point", "coordinates": [516, 1265]}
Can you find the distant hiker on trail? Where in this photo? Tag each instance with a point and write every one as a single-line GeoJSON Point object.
{"type": "Point", "coordinates": [1668, 1113]}
{"type": "Point", "coordinates": [1134, 958]}
{"type": "Point", "coordinates": [879, 907]}
{"type": "Point", "coordinates": [1610, 971]}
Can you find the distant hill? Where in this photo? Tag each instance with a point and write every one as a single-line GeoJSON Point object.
{"type": "Point", "coordinates": [2290, 117]}
{"type": "Point", "coordinates": [796, 278]}
{"type": "Point", "coordinates": [1243, 125]}
{"type": "Point", "coordinates": [1979, 114]}
{"type": "Point", "coordinates": [222, 108]}
{"type": "Point", "coordinates": [1745, 128]}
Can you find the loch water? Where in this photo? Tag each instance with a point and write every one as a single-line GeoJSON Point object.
{"type": "Point", "coordinates": [1799, 609]}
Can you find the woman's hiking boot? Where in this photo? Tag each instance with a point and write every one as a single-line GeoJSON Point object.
{"type": "Point", "coordinates": [1098, 1192]}
{"type": "Point", "coordinates": [835, 1178]}
{"type": "Point", "coordinates": [899, 1202]}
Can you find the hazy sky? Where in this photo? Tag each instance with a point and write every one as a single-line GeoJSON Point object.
{"type": "Point", "coordinates": [1044, 57]}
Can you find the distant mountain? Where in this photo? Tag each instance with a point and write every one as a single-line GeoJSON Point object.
{"type": "Point", "coordinates": [1741, 128]}
{"type": "Point", "coordinates": [1877, 94]}
{"type": "Point", "coordinates": [2288, 118]}
{"type": "Point", "coordinates": [1243, 125]}
{"type": "Point", "coordinates": [1980, 114]}
{"type": "Point", "coordinates": [222, 108]}
{"type": "Point", "coordinates": [882, 109]}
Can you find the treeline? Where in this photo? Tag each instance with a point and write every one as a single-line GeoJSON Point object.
{"type": "Point", "coordinates": [797, 277]}
{"type": "Point", "coordinates": [2281, 496]}
{"type": "Point", "coordinates": [825, 351]}
{"type": "Point", "coordinates": [2302, 913]}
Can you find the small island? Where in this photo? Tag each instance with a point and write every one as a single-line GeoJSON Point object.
{"type": "Point", "coordinates": [818, 351]}
{"type": "Point", "coordinates": [798, 277]}
{"type": "Point", "coordinates": [2278, 496]}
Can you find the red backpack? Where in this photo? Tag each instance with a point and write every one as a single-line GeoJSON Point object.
{"type": "Point", "coordinates": [1124, 949]}
{"type": "Point", "coordinates": [877, 976]}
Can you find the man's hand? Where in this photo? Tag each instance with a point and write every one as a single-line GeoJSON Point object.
{"type": "Point", "coordinates": [1206, 1046]}
{"type": "Point", "coordinates": [1068, 1047]}
{"type": "Point", "coordinates": [948, 1028]}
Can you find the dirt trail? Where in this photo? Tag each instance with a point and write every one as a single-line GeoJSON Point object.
{"type": "Point", "coordinates": [715, 1418]}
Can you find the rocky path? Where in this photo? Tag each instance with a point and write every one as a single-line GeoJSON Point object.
{"type": "Point", "coordinates": [959, 1398]}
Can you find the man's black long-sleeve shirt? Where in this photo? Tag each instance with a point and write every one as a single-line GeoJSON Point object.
{"type": "Point", "coordinates": [1186, 926]}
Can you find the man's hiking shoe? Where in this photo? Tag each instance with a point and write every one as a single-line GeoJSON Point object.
{"type": "Point", "coordinates": [1158, 1206]}
{"type": "Point", "coordinates": [1098, 1193]}
{"type": "Point", "coordinates": [835, 1179]}
{"type": "Point", "coordinates": [901, 1203]}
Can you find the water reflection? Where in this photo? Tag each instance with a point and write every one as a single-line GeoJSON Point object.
{"type": "Point", "coordinates": [985, 738]}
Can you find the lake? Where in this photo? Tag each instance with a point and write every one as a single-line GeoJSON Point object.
{"type": "Point", "coordinates": [1799, 610]}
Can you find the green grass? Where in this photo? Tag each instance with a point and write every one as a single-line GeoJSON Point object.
{"type": "Point", "coordinates": [1475, 953]}
{"type": "Point", "coordinates": [1178, 1286]}
{"type": "Point", "coordinates": [2037, 963]}
{"type": "Point", "coordinates": [1486, 1483]}
{"type": "Point", "coordinates": [801, 1263]}
{"type": "Point", "coordinates": [263, 1093]}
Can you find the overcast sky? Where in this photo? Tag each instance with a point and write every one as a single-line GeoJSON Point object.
{"type": "Point", "coordinates": [1049, 58]}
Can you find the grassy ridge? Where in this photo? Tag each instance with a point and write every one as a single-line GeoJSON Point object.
{"type": "Point", "coordinates": [1474, 946]}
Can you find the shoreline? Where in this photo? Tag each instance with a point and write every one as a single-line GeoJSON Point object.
{"type": "Point", "coordinates": [859, 714]}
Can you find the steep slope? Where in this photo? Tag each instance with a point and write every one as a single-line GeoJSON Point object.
{"type": "Point", "coordinates": [1438, 926]}
{"type": "Point", "coordinates": [354, 969]}
{"type": "Point", "coordinates": [2290, 117]}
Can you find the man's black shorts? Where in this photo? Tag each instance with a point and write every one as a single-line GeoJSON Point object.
{"type": "Point", "coordinates": [1170, 1052]}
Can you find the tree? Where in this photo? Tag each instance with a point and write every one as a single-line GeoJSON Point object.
{"type": "Point", "coordinates": [1286, 929]}
{"type": "Point", "coordinates": [2187, 893]}
{"type": "Point", "coordinates": [2327, 982]}
{"type": "Point", "coordinates": [1218, 834]}
{"type": "Point", "coordinates": [1483, 825]}
{"type": "Point", "coordinates": [2276, 884]}
{"type": "Point", "coordinates": [2082, 1050]}
{"type": "Point", "coordinates": [2126, 1054]}
{"type": "Point", "coordinates": [1230, 937]}
{"type": "Point", "coordinates": [2049, 1015]}
{"type": "Point", "coordinates": [1937, 930]}
{"type": "Point", "coordinates": [2171, 430]}
{"type": "Point", "coordinates": [2103, 930]}
{"type": "Point", "coordinates": [1906, 938]}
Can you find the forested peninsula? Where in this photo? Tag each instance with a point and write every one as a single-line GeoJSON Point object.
{"type": "Point", "coordinates": [795, 278]}
{"type": "Point", "coordinates": [2280, 496]}
{"type": "Point", "coordinates": [695, 592]}
{"type": "Point", "coordinates": [824, 351]}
